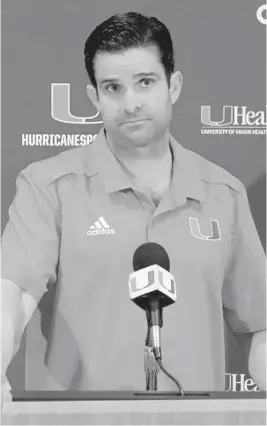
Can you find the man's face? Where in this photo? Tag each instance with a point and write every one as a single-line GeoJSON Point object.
{"type": "Point", "coordinates": [133, 95]}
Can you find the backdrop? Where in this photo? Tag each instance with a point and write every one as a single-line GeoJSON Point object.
{"type": "Point", "coordinates": [220, 50]}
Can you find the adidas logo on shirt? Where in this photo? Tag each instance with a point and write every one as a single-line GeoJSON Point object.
{"type": "Point", "coordinates": [100, 227]}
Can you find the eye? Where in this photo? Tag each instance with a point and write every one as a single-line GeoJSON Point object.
{"type": "Point", "coordinates": [147, 82]}
{"type": "Point", "coordinates": [112, 88]}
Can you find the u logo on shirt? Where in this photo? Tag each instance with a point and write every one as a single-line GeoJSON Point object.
{"type": "Point", "coordinates": [196, 232]}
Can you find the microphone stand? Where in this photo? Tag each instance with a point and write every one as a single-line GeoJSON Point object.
{"type": "Point", "coordinates": [150, 364]}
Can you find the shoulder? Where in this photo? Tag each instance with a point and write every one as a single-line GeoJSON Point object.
{"type": "Point", "coordinates": [75, 161]}
{"type": "Point", "coordinates": [215, 175]}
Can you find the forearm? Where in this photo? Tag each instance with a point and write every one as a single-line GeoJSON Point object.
{"type": "Point", "coordinates": [17, 307]}
{"type": "Point", "coordinates": [11, 321]}
{"type": "Point", "coordinates": [8, 342]}
{"type": "Point", "coordinates": [257, 359]}
{"type": "Point", "coordinates": [253, 346]}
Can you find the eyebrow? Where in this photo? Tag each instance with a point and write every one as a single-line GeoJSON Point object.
{"type": "Point", "coordinates": [146, 74]}
{"type": "Point", "coordinates": [139, 74]}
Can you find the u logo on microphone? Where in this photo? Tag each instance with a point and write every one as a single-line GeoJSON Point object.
{"type": "Point", "coordinates": [215, 234]}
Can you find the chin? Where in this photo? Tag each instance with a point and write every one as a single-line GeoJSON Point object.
{"type": "Point", "coordinates": [138, 137]}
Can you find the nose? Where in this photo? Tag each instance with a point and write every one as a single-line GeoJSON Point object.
{"type": "Point", "coordinates": [131, 102]}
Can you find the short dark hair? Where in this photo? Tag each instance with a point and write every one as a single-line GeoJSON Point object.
{"type": "Point", "coordinates": [126, 31]}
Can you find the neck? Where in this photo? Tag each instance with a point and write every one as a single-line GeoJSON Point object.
{"type": "Point", "coordinates": [149, 168]}
{"type": "Point", "coordinates": [152, 153]}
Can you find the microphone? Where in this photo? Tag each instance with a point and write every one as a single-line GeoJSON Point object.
{"type": "Point", "coordinates": [152, 287]}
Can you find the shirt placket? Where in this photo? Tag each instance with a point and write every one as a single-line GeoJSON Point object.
{"type": "Point", "coordinates": [166, 205]}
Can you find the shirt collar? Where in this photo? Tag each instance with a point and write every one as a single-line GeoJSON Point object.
{"type": "Point", "coordinates": [186, 178]}
{"type": "Point", "coordinates": [108, 166]}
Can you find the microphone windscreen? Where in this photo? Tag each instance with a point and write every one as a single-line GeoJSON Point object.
{"type": "Point", "coordinates": [150, 254]}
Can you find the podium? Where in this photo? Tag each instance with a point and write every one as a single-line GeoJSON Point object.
{"type": "Point", "coordinates": [128, 408]}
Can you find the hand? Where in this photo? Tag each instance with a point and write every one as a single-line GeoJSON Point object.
{"type": "Point", "coordinates": [6, 395]}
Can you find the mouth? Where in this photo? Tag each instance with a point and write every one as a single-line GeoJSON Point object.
{"type": "Point", "coordinates": [140, 120]}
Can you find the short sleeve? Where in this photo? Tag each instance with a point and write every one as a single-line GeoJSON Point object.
{"type": "Point", "coordinates": [244, 287]}
{"type": "Point", "coordinates": [30, 241]}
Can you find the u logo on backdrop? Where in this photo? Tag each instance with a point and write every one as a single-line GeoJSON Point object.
{"type": "Point", "coordinates": [215, 233]}
{"type": "Point", "coordinates": [262, 19]}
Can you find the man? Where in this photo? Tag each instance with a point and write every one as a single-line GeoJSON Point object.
{"type": "Point", "coordinates": [78, 217]}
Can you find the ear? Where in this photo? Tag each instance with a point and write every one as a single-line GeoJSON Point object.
{"type": "Point", "coordinates": [176, 82]}
{"type": "Point", "coordinates": [93, 96]}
